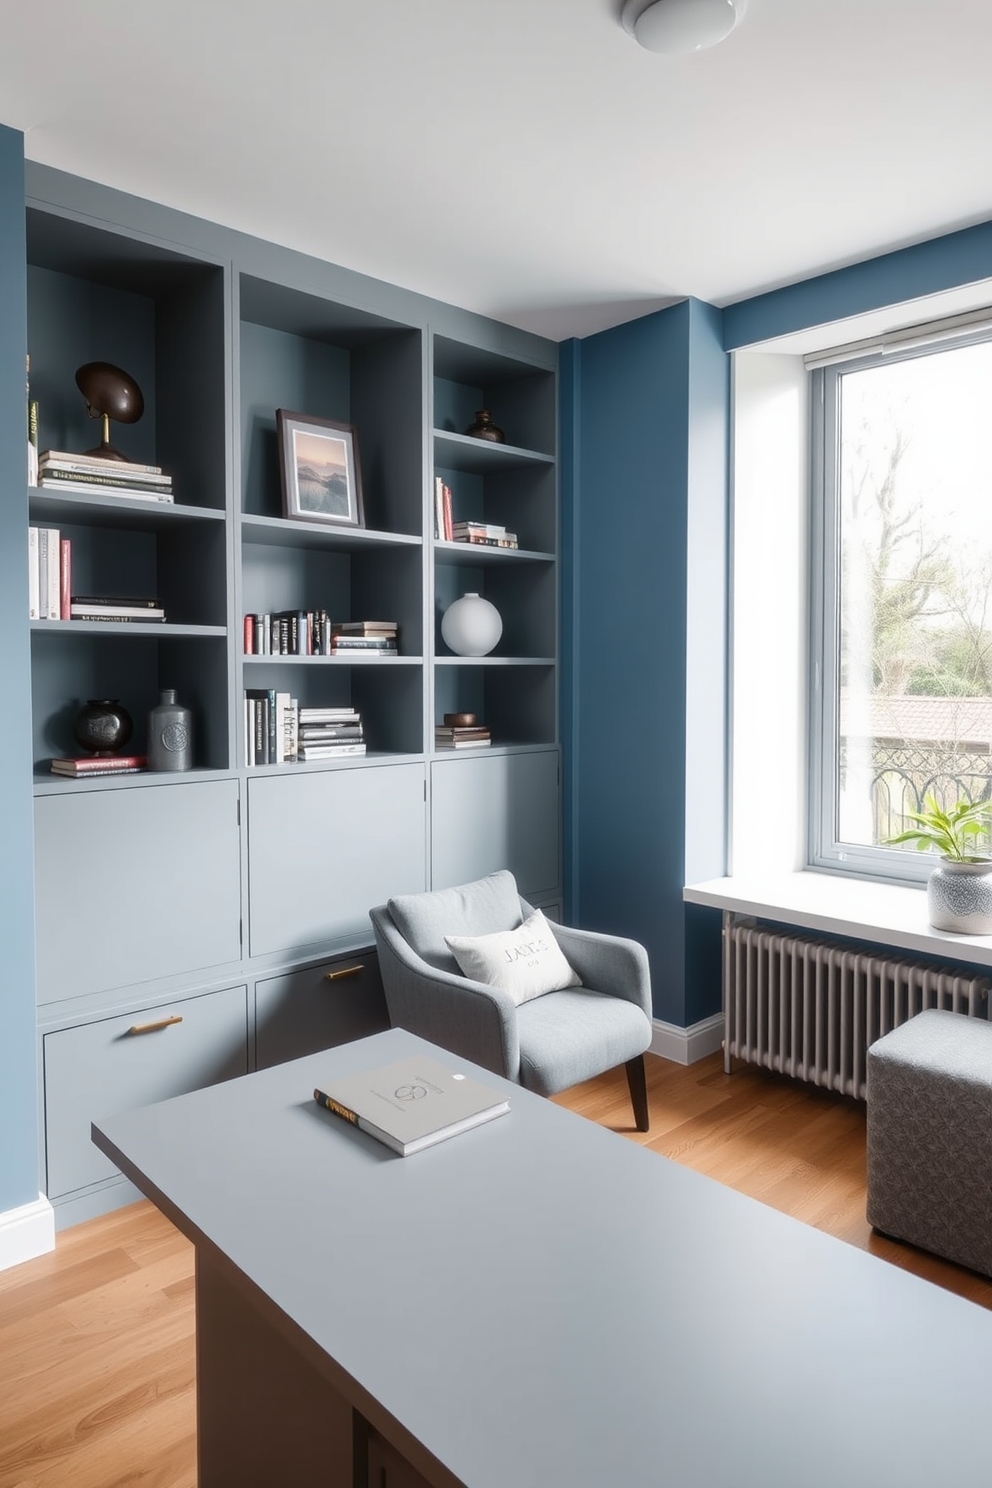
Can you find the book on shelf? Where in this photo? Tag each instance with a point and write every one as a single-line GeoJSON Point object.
{"type": "Point", "coordinates": [329, 751]}
{"type": "Point", "coordinates": [115, 764]}
{"type": "Point", "coordinates": [114, 610]}
{"type": "Point", "coordinates": [365, 628]}
{"type": "Point", "coordinates": [97, 462]}
{"type": "Point", "coordinates": [485, 529]}
{"type": "Point", "coordinates": [47, 553]}
{"type": "Point", "coordinates": [313, 733]}
{"type": "Point", "coordinates": [32, 440]}
{"type": "Point", "coordinates": [478, 539]}
{"type": "Point", "coordinates": [461, 743]}
{"type": "Point", "coordinates": [329, 715]}
{"type": "Point", "coordinates": [65, 578]}
{"type": "Point", "coordinates": [99, 475]}
{"type": "Point", "coordinates": [88, 488]}
{"type": "Point", "coordinates": [412, 1103]}
{"type": "Point", "coordinates": [362, 643]}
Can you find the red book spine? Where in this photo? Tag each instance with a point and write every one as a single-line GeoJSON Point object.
{"type": "Point", "coordinates": [110, 762]}
{"type": "Point", "coordinates": [249, 635]}
{"type": "Point", "coordinates": [65, 579]}
{"type": "Point", "coordinates": [447, 514]}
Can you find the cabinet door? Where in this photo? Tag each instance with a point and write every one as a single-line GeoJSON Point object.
{"type": "Point", "coordinates": [324, 848]}
{"type": "Point", "coordinates": [132, 885]}
{"type": "Point", "coordinates": [96, 1069]}
{"type": "Point", "coordinates": [497, 812]}
{"type": "Point", "coordinates": [305, 1011]}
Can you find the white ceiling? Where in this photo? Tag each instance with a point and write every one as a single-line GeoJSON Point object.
{"type": "Point", "coordinates": [524, 158]}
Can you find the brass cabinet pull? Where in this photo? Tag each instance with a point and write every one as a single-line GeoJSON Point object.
{"type": "Point", "coordinates": [346, 971]}
{"type": "Point", "coordinates": [154, 1027]}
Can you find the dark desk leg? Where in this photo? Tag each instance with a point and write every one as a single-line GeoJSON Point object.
{"type": "Point", "coordinates": [265, 1416]}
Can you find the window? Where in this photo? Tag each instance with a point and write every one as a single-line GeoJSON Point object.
{"type": "Point", "coordinates": [902, 597]}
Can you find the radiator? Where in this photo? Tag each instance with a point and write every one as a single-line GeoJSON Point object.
{"type": "Point", "coordinates": [810, 1008]}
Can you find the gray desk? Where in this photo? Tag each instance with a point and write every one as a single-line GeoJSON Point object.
{"type": "Point", "coordinates": [538, 1303]}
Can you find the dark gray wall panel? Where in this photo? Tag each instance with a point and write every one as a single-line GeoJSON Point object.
{"type": "Point", "coordinates": [324, 848]}
{"type": "Point", "coordinates": [135, 885]}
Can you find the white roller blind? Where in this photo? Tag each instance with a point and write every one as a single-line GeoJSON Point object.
{"type": "Point", "coordinates": [907, 338]}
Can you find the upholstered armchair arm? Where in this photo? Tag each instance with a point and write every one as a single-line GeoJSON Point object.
{"type": "Point", "coordinates": [608, 963]}
{"type": "Point", "coordinates": [469, 1018]}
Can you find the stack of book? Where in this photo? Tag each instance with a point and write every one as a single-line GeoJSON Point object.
{"type": "Point", "coordinates": [487, 534]}
{"type": "Point", "coordinates": [89, 475]}
{"type": "Point", "coordinates": [49, 574]}
{"type": "Point", "coordinates": [123, 608]}
{"type": "Point", "coordinates": [364, 638]}
{"type": "Point", "coordinates": [454, 736]}
{"type": "Point", "coordinates": [279, 732]}
{"type": "Point", "coordinates": [326, 733]}
{"type": "Point", "coordinates": [111, 764]}
{"type": "Point", "coordinates": [442, 509]}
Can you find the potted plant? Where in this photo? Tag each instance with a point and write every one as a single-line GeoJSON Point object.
{"type": "Point", "coordinates": [959, 890]}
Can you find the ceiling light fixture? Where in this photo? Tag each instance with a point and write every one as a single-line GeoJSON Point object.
{"type": "Point", "coordinates": [680, 26]}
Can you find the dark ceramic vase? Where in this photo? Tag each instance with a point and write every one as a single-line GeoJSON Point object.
{"type": "Point", "coordinates": [102, 726]}
{"type": "Point", "coordinates": [484, 428]}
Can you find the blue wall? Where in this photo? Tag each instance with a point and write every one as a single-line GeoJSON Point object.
{"type": "Point", "coordinates": [18, 1093]}
{"type": "Point", "coordinates": [638, 430]}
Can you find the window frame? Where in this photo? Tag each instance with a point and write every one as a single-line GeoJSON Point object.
{"type": "Point", "coordinates": [824, 849]}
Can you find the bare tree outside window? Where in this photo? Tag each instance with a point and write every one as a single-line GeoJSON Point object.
{"type": "Point", "coordinates": [914, 615]}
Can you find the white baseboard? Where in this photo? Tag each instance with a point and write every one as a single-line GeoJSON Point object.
{"type": "Point", "coordinates": [687, 1045]}
{"type": "Point", "coordinates": [26, 1232]}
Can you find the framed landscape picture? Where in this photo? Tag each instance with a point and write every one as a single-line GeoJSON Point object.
{"type": "Point", "coordinates": [320, 468]}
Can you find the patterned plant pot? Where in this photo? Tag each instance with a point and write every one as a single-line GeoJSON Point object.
{"type": "Point", "coordinates": [959, 897]}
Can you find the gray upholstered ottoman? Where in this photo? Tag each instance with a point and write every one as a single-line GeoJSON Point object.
{"type": "Point", "coordinates": [930, 1136]}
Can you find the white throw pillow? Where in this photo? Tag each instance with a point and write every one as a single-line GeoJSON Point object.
{"type": "Point", "coordinates": [526, 962]}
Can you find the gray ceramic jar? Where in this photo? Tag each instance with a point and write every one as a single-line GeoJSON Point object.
{"type": "Point", "coordinates": [170, 734]}
{"type": "Point", "coordinates": [959, 897]}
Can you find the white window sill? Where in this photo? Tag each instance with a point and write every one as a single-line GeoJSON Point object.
{"type": "Point", "coordinates": [888, 914]}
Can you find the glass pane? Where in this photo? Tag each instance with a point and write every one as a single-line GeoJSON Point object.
{"type": "Point", "coordinates": [915, 641]}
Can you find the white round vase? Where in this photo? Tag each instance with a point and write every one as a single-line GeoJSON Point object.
{"type": "Point", "coordinates": [471, 626]}
{"type": "Point", "coordinates": [959, 897]}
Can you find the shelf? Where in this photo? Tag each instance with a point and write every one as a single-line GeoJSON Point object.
{"type": "Point", "coordinates": [47, 784]}
{"type": "Point", "coordinates": [493, 661]}
{"type": "Point", "coordinates": [482, 456]}
{"type": "Point", "coordinates": [61, 507]}
{"type": "Point", "coordinates": [454, 552]}
{"type": "Point", "coordinates": [162, 631]}
{"type": "Point", "coordinates": [347, 761]}
{"type": "Point", "coordinates": [278, 659]}
{"type": "Point", "coordinates": [277, 532]}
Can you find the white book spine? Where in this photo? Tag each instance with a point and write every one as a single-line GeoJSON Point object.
{"type": "Point", "coordinates": [34, 575]}
{"type": "Point", "coordinates": [53, 602]}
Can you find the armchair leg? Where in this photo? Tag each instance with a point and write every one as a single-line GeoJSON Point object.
{"type": "Point", "coordinates": [637, 1085]}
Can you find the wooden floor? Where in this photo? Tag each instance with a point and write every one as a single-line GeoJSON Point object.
{"type": "Point", "coordinates": [96, 1340]}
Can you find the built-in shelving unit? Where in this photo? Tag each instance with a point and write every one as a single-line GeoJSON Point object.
{"type": "Point", "coordinates": [235, 898]}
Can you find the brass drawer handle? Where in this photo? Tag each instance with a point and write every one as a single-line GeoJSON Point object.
{"type": "Point", "coordinates": [346, 971]}
{"type": "Point", "coordinates": [154, 1027]}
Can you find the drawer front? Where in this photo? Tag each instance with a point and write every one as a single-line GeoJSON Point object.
{"type": "Point", "coordinates": [134, 885]}
{"type": "Point", "coordinates": [96, 1070]}
{"type": "Point", "coordinates": [306, 1011]}
{"type": "Point", "coordinates": [324, 848]}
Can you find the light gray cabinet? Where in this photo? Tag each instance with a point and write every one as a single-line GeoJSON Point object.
{"type": "Point", "coordinates": [497, 811]}
{"type": "Point", "coordinates": [332, 1003]}
{"type": "Point", "coordinates": [94, 1070]}
{"type": "Point", "coordinates": [324, 847]}
{"type": "Point", "coordinates": [134, 885]}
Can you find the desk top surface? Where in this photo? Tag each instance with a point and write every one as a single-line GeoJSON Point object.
{"type": "Point", "coordinates": [541, 1302]}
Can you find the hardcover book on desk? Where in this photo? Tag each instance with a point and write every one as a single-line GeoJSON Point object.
{"type": "Point", "coordinates": [413, 1103]}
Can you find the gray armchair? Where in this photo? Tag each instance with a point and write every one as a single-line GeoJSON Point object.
{"type": "Point", "coordinates": [548, 1044]}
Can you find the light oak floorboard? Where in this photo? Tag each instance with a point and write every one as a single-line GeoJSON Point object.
{"type": "Point", "coordinates": [97, 1364]}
